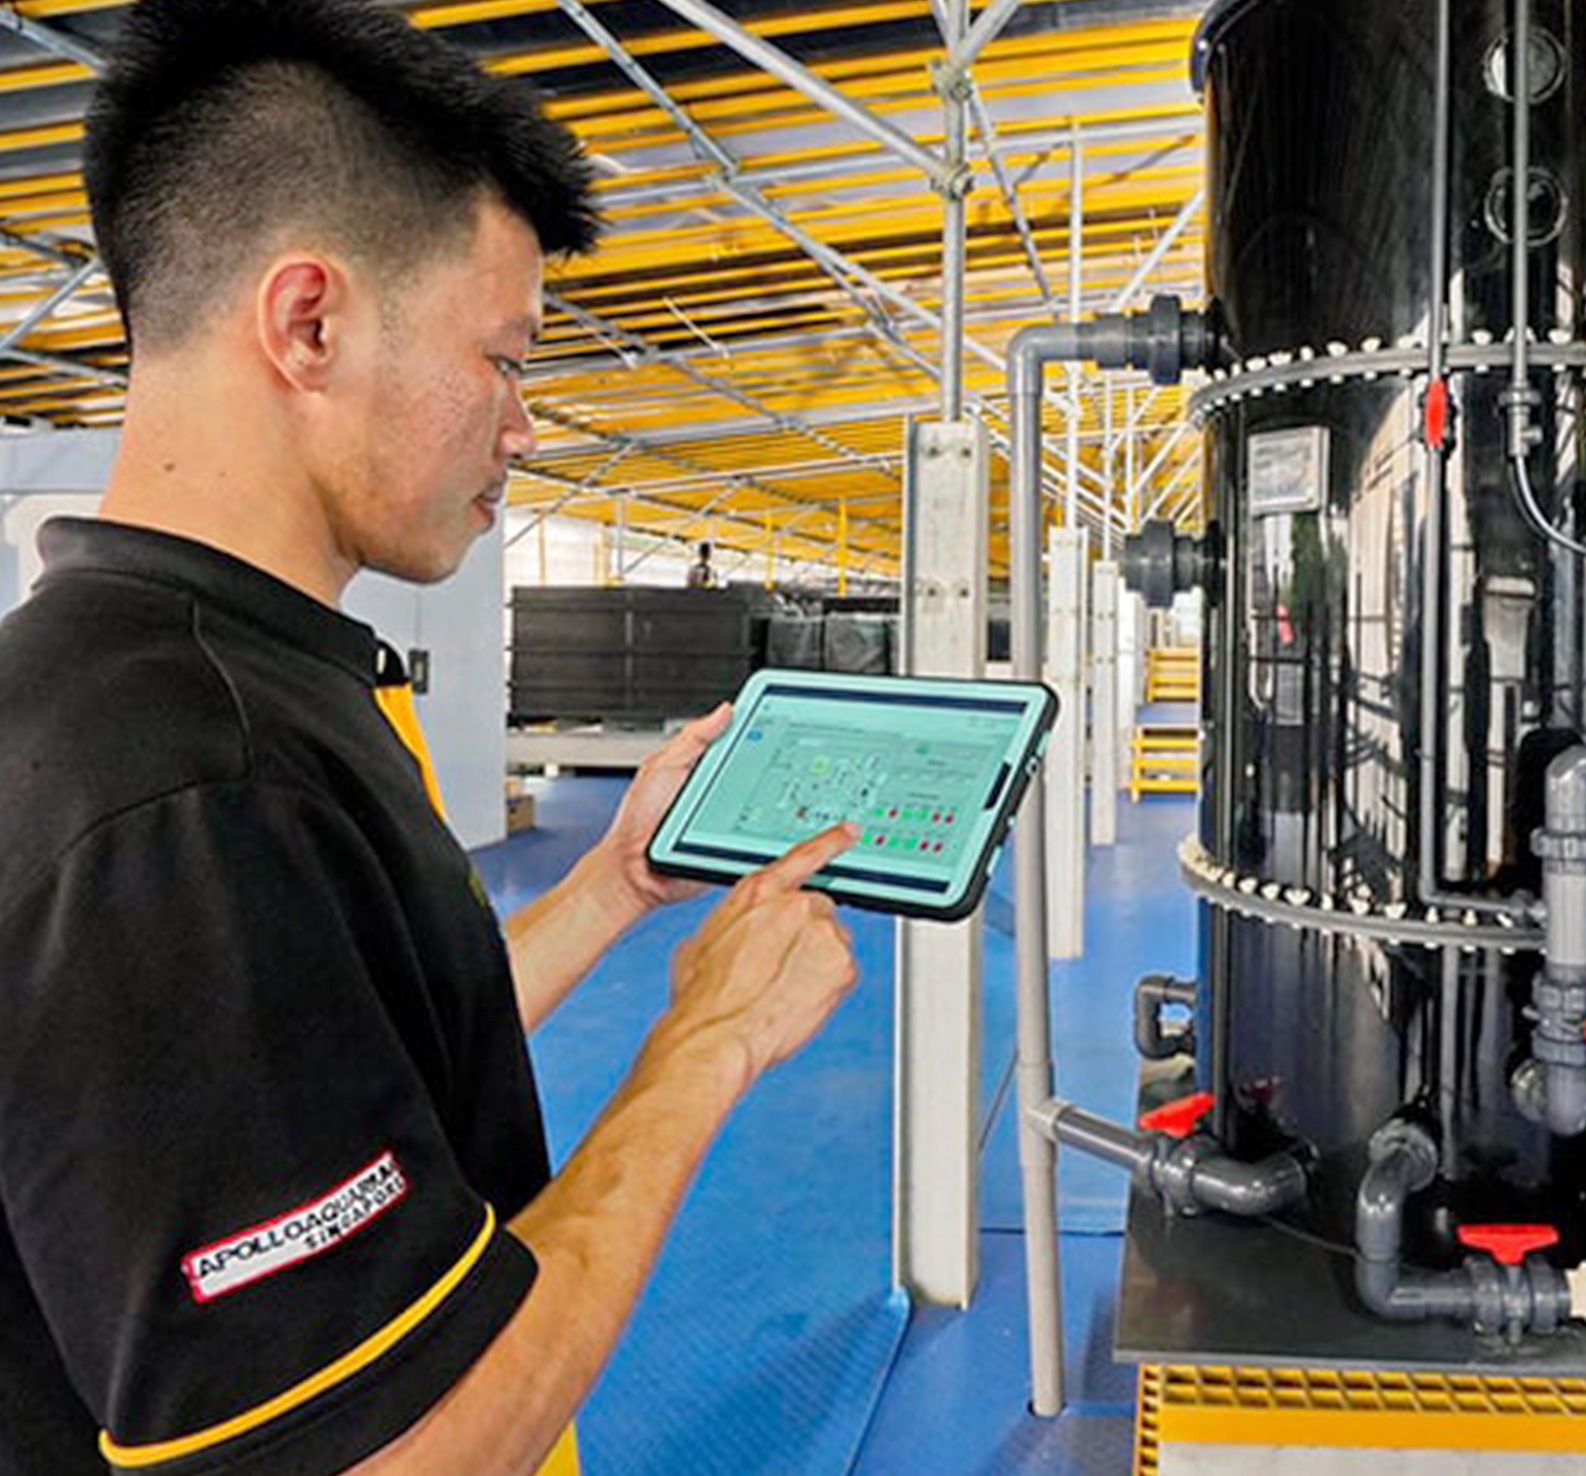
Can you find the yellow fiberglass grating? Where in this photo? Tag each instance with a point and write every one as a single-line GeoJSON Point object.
{"type": "Point", "coordinates": [1358, 1408]}
{"type": "Point", "coordinates": [1145, 1425]}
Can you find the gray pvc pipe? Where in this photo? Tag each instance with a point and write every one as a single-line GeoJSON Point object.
{"type": "Point", "coordinates": [1386, 1286]}
{"type": "Point", "coordinates": [1564, 882]}
{"type": "Point", "coordinates": [1189, 1174]}
{"type": "Point", "coordinates": [1249, 1190]}
{"type": "Point", "coordinates": [1550, 1087]}
{"type": "Point", "coordinates": [1098, 1136]}
{"type": "Point", "coordinates": [1552, 1093]}
{"type": "Point", "coordinates": [1037, 1154]}
{"type": "Point", "coordinates": [1436, 490]}
{"type": "Point", "coordinates": [1533, 1297]}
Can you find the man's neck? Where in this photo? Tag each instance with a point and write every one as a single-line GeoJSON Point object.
{"type": "Point", "coordinates": [190, 467]}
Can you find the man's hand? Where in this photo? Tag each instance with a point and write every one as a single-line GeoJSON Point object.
{"type": "Point", "coordinates": [646, 802]}
{"type": "Point", "coordinates": [556, 939]}
{"type": "Point", "coordinates": [770, 963]}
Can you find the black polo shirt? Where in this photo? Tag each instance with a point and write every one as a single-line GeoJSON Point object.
{"type": "Point", "coordinates": [264, 1099]}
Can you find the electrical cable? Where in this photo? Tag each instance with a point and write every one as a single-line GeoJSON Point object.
{"type": "Point", "coordinates": [1525, 497]}
{"type": "Point", "coordinates": [1332, 1247]}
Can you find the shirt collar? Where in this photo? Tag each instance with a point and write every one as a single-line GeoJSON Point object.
{"type": "Point", "coordinates": [72, 546]}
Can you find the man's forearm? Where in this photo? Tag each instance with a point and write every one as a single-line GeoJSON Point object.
{"type": "Point", "coordinates": [748, 989]}
{"type": "Point", "coordinates": [556, 939]}
{"type": "Point", "coordinates": [596, 1231]}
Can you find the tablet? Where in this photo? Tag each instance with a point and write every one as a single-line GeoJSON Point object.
{"type": "Point", "coordinates": [933, 770]}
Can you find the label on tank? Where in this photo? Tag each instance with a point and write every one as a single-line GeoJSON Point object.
{"type": "Point", "coordinates": [1288, 470]}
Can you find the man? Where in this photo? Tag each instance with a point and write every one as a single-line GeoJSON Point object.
{"type": "Point", "coordinates": [275, 1194]}
{"type": "Point", "coordinates": [700, 573]}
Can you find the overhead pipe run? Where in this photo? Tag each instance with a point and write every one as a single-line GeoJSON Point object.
{"type": "Point", "coordinates": [1031, 350]}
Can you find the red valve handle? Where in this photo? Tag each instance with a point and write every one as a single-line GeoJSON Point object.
{"type": "Point", "coordinates": [1508, 1245]}
{"type": "Point", "coordinates": [1437, 414]}
{"type": "Point", "coordinates": [1179, 1119]}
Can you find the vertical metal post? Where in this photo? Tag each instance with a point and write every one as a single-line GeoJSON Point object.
{"type": "Point", "coordinates": [1130, 606]}
{"type": "Point", "coordinates": [622, 541]}
{"type": "Point", "coordinates": [911, 516]}
{"type": "Point", "coordinates": [938, 1041]}
{"type": "Point", "coordinates": [1131, 444]}
{"type": "Point", "coordinates": [936, 1136]}
{"type": "Point", "coordinates": [1076, 255]}
{"type": "Point", "coordinates": [1104, 706]}
{"type": "Point", "coordinates": [1065, 763]}
{"type": "Point", "coordinates": [1109, 459]}
{"type": "Point", "coordinates": [842, 548]}
{"type": "Point", "coordinates": [954, 225]}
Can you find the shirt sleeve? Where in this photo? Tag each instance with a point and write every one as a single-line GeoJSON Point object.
{"type": "Point", "coordinates": [222, 1165]}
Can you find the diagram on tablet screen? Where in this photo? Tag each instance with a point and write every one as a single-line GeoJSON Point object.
{"type": "Point", "coordinates": [911, 793]}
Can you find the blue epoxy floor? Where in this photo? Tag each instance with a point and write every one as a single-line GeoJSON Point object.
{"type": "Point", "coordinates": [767, 1342]}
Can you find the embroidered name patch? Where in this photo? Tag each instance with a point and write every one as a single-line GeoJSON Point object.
{"type": "Point", "coordinates": [298, 1235]}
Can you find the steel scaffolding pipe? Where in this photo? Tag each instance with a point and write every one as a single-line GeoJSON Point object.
{"type": "Point", "coordinates": [783, 67]}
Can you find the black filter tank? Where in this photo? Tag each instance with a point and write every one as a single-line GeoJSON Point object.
{"type": "Point", "coordinates": [1332, 787]}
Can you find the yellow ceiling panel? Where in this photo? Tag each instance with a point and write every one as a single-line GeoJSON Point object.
{"type": "Point", "coordinates": [786, 404]}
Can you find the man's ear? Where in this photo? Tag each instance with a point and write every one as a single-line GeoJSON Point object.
{"type": "Point", "coordinates": [298, 318]}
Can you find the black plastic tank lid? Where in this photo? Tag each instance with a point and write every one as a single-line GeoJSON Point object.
{"type": "Point", "coordinates": [1219, 14]}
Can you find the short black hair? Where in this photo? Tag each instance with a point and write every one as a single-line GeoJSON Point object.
{"type": "Point", "coordinates": [221, 123]}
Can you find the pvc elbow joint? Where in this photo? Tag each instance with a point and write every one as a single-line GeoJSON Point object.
{"type": "Point", "coordinates": [1151, 995]}
{"type": "Point", "coordinates": [1182, 1165]}
{"type": "Point", "coordinates": [1505, 1290]}
{"type": "Point", "coordinates": [1165, 340]}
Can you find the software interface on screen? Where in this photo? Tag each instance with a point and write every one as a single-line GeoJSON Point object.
{"type": "Point", "coordinates": [918, 773]}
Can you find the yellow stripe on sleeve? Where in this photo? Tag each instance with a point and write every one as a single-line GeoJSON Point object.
{"type": "Point", "coordinates": [130, 1458]}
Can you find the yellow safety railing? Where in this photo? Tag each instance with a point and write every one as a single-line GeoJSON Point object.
{"type": "Point", "coordinates": [1164, 758]}
{"type": "Point", "coordinates": [1173, 674]}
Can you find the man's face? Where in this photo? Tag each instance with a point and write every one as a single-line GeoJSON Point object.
{"type": "Point", "coordinates": [438, 416]}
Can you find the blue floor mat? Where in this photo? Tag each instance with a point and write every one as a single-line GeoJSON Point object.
{"type": "Point", "coordinates": [766, 1342]}
{"type": "Point", "coordinates": [957, 1401]}
{"type": "Point", "coordinates": [1139, 919]}
{"type": "Point", "coordinates": [765, 1337]}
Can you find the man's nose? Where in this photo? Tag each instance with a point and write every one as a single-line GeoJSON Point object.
{"type": "Point", "coordinates": [517, 436]}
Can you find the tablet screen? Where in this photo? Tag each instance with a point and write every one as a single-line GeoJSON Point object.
{"type": "Point", "coordinates": [924, 767]}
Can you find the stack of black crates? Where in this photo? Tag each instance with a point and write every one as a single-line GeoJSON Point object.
{"type": "Point", "coordinates": [639, 655]}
